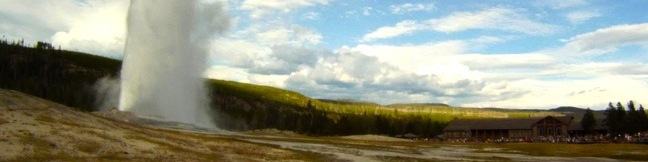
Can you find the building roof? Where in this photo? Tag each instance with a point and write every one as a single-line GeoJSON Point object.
{"type": "Point", "coordinates": [499, 124]}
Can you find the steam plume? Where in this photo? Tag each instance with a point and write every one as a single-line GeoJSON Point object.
{"type": "Point", "coordinates": [162, 72]}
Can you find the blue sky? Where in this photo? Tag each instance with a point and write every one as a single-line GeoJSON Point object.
{"type": "Point", "coordinates": [350, 22]}
{"type": "Point", "coordinates": [500, 53]}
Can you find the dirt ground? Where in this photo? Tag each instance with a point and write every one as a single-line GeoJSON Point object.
{"type": "Point", "coordinates": [33, 129]}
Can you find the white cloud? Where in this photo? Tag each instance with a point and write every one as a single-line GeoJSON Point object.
{"type": "Point", "coordinates": [401, 28]}
{"type": "Point", "coordinates": [506, 61]}
{"type": "Point", "coordinates": [561, 4]}
{"type": "Point", "coordinates": [260, 8]}
{"type": "Point", "coordinates": [288, 35]}
{"type": "Point", "coordinates": [366, 11]}
{"type": "Point", "coordinates": [269, 49]}
{"type": "Point", "coordinates": [581, 16]}
{"type": "Point", "coordinates": [597, 69]}
{"type": "Point", "coordinates": [414, 58]}
{"type": "Point", "coordinates": [36, 20]}
{"type": "Point", "coordinates": [497, 18]}
{"type": "Point", "coordinates": [594, 93]}
{"type": "Point", "coordinates": [350, 13]}
{"type": "Point", "coordinates": [242, 75]}
{"type": "Point", "coordinates": [609, 39]}
{"type": "Point", "coordinates": [411, 7]}
{"type": "Point", "coordinates": [486, 40]}
{"type": "Point", "coordinates": [365, 72]}
{"type": "Point", "coordinates": [95, 26]}
{"type": "Point", "coordinates": [311, 15]}
{"type": "Point", "coordinates": [102, 30]}
{"type": "Point", "coordinates": [353, 75]}
{"type": "Point", "coordinates": [540, 79]}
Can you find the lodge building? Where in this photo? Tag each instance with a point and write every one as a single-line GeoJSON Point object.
{"type": "Point", "coordinates": [509, 128]}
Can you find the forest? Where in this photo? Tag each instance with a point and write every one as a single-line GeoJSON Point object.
{"type": "Point", "coordinates": [620, 121]}
{"type": "Point", "coordinates": [62, 76]}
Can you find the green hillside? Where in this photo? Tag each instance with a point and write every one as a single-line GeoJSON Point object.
{"type": "Point", "coordinates": [250, 106]}
{"type": "Point", "coordinates": [439, 112]}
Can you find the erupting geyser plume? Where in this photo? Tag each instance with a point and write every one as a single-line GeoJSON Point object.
{"type": "Point", "coordinates": [165, 57]}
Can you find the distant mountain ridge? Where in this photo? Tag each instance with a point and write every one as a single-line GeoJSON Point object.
{"type": "Point", "coordinates": [568, 109]}
{"type": "Point", "coordinates": [578, 112]}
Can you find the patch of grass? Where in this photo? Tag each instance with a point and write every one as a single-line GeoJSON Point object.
{"type": "Point", "coordinates": [40, 147]}
{"type": "Point", "coordinates": [54, 131]}
{"type": "Point", "coordinates": [159, 143]}
{"type": "Point", "coordinates": [262, 150]}
{"type": "Point", "coordinates": [100, 135]}
{"type": "Point", "coordinates": [88, 146]}
{"type": "Point", "coordinates": [398, 158]}
{"type": "Point", "coordinates": [258, 92]}
{"type": "Point", "coordinates": [30, 139]}
{"type": "Point", "coordinates": [616, 151]}
{"type": "Point", "coordinates": [46, 157]}
{"type": "Point", "coordinates": [3, 121]}
{"type": "Point", "coordinates": [119, 156]}
{"type": "Point", "coordinates": [45, 118]}
{"type": "Point", "coordinates": [27, 114]}
{"type": "Point", "coordinates": [71, 123]}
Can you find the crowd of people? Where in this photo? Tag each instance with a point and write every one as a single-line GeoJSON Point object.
{"type": "Point", "coordinates": [641, 137]}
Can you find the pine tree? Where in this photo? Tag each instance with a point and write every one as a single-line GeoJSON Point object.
{"type": "Point", "coordinates": [621, 118]}
{"type": "Point", "coordinates": [588, 122]}
{"type": "Point", "coordinates": [632, 119]}
{"type": "Point", "coordinates": [643, 118]}
{"type": "Point", "coordinates": [611, 119]}
{"type": "Point", "coordinates": [311, 116]}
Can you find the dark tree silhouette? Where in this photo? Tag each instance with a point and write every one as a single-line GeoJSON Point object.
{"type": "Point", "coordinates": [611, 120]}
{"type": "Point", "coordinates": [643, 119]}
{"type": "Point", "coordinates": [633, 121]}
{"type": "Point", "coordinates": [62, 76]}
{"type": "Point", "coordinates": [619, 121]}
{"type": "Point", "coordinates": [621, 118]}
{"type": "Point", "coordinates": [588, 122]}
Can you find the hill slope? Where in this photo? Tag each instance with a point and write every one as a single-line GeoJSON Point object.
{"type": "Point", "coordinates": [34, 129]}
{"type": "Point", "coordinates": [578, 112]}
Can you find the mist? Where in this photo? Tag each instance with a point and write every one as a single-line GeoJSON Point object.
{"type": "Point", "coordinates": [165, 58]}
{"type": "Point", "coordinates": [107, 93]}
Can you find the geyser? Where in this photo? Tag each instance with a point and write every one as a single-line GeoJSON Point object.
{"type": "Point", "coordinates": [164, 61]}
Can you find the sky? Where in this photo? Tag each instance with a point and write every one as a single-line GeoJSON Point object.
{"type": "Point", "coordinates": [499, 53]}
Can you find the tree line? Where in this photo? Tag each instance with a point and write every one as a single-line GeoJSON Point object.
{"type": "Point", "coordinates": [62, 76]}
{"type": "Point", "coordinates": [241, 113]}
{"type": "Point", "coordinates": [620, 120]}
